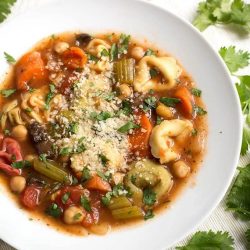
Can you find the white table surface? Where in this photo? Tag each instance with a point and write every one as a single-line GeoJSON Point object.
{"type": "Point", "coordinates": [219, 220]}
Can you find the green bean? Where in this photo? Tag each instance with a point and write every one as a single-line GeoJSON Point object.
{"type": "Point", "coordinates": [119, 202]}
{"type": "Point", "coordinates": [124, 70]}
{"type": "Point", "coordinates": [127, 213]}
{"type": "Point", "coordinates": [51, 170]}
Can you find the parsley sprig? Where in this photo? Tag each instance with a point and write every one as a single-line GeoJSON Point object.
{"type": "Point", "coordinates": [211, 12]}
{"type": "Point", "coordinates": [5, 9]}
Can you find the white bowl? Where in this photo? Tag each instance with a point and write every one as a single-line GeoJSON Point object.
{"type": "Point", "coordinates": [181, 40]}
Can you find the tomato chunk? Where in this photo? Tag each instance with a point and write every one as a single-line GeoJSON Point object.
{"type": "Point", "coordinates": [30, 196]}
{"type": "Point", "coordinates": [74, 58]}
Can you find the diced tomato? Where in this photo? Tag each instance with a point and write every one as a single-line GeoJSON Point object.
{"type": "Point", "coordinates": [29, 70]}
{"type": "Point", "coordinates": [30, 196]}
{"type": "Point", "coordinates": [73, 193]}
{"type": "Point", "coordinates": [91, 218]}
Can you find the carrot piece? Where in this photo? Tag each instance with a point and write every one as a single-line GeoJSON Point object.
{"type": "Point", "coordinates": [140, 137]}
{"type": "Point", "coordinates": [97, 183]}
{"type": "Point", "coordinates": [74, 58]}
{"type": "Point", "coordinates": [187, 101]}
{"type": "Point", "coordinates": [29, 70]}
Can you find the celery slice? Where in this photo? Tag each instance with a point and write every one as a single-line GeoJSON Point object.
{"type": "Point", "coordinates": [119, 202]}
{"type": "Point", "coordinates": [49, 169]}
{"type": "Point", "coordinates": [127, 213]}
{"type": "Point", "coordinates": [124, 70]}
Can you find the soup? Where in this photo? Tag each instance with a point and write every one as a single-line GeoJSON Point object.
{"type": "Point", "coordinates": [98, 131]}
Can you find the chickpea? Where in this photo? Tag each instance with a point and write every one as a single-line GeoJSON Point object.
{"type": "Point", "coordinates": [60, 47]}
{"type": "Point", "coordinates": [20, 132]}
{"type": "Point", "coordinates": [17, 184]}
{"type": "Point", "coordinates": [30, 158]}
{"type": "Point", "coordinates": [137, 52]}
{"type": "Point", "coordinates": [125, 91]}
{"type": "Point", "coordinates": [73, 215]}
{"type": "Point", "coordinates": [100, 229]}
{"type": "Point", "coordinates": [180, 169]}
{"type": "Point", "coordinates": [164, 111]}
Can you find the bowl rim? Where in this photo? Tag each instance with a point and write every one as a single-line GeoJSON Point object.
{"type": "Point", "coordinates": [239, 120]}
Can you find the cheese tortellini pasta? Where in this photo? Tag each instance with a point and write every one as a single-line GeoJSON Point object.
{"type": "Point", "coordinates": [166, 65]}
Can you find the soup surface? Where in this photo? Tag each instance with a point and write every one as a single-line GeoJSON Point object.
{"type": "Point", "coordinates": [98, 130]}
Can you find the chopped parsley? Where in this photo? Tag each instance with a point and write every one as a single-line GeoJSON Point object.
{"type": "Point", "coordinates": [7, 92]}
{"type": "Point", "coordinates": [149, 103]}
{"type": "Point", "coordinates": [105, 176]}
{"type": "Point", "coordinates": [102, 116]}
{"type": "Point", "coordinates": [92, 58]}
{"type": "Point", "coordinates": [123, 44]}
{"type": "Point", "coordinates": [28, 110]}
{"type": "Point", "coordinates": [129, 125]}
{"type": "Point", "coordinates": [10, 59]}
{"type": "Point", "coordinates": [85, 203]}
{"type": "Point", "coordinates": [196, 92]}
{"type": "Point", "coordinates": [149, 197]}
{"type": "Point", "coordinates": [65, 151]}
{"type": "Point", "coordinates": [20, 164]}
{"type": "Point", "coordinates": [159, 120]}
{"type": "Point", "coordinates": [149, 52]}
{"type": "Point", "coordinates": [104, 159]}
{"type": "Point", "coordinates": [104, 52]}
{"type": "Point", "coordinates": [194, 132]}
{"type": "Point", "coordinates": [199, 110]}
{"type": "Point", "coordinates": [77, 216]}
{"type": "Point", "coordinates": [149, 214]}
{"type": "Point", "coordinates": [85, 174]}
{"type": "Point", "coordinates": [43, 157]}
{"type": "Point", "coordinates": [5, 9]}
{"type": "Point", "coordinates": [50, 95]}
{"type": "Point", "coordinates": [113, 54]}
{"type": "Point", "coordinates": [153, 73]}
{"type": "Point", "coordinates": [169, 101]}
{"type": "Point", "coordinates": [54, 210]}
{"type": "Point", "coordinates": [126, 107]}
{"type": "Point", "coordinates": [65, 197]}
{"type": "Point", "coordinates": [80, 148]}
{"type": "Point", "coordinates": [73, 127]}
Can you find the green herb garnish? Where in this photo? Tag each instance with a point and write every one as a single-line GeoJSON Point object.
{"type": "Point", "coordinates": [50, 95]}
{"type": "Point", "coordinates": [10, 59]}
{"type": "Point", "coordinates": [20, 164]}
{"type": "Point", "coordinates": [129, 125]}
{"type": "Point", "coordinates": [149, 214]}
{"type": "Point", "coordinates": [85, 203]}
{"type": "Point", "coordinates": [169, 101]}
{"type": "Point", "coordinates": [199, 110]}
{"type": "Point", "coordinates": [149, 197]}
{"type": "Point", "coordinates": [54, 211]}
{"type": "Point", "coordinates": [65, 197]}
{"type": "Point", "coordinates": [196, 92]}
{"type": "Point", "coordinates": [7, 92]}
{"type": "Point", "coordinates": [149, 52]}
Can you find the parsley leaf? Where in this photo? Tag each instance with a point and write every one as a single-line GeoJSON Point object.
{"type": "Point", "coordinates": [196, 92]}
{"type": "Point", "coordinates": [43, 157]}
{"type": "Point", "coordinates": [85, 203]}
{"type": "Point", "coordinates": [211, 12]}
{"type": "Point", "coordinates": [85, 174]}
{"type": "Point", "coordinates": [5, 9]}
{"type": "Point", "coordinates": [65, 197]}
{"type": "Point", "coordinates": [234, 60]}
{"type": "Point", "coordinates": [7, 92]}
{"type": "Point", "coordinates": [73, 127]}
{"type": "Point", "coordinates": [149, 214]}
{"type": "Point", "coordinates": [103, 159]}
{"type": "Point", "coordinates": [20, 164]}
{"type": "Point", "coordinates": [126, 107]}
{"type": "Point", "coordinates": [238, 200]}
{"type": "Point", "coordinates": [199, 110]}
{"type": "Point", "coordinates": [113, 54]}
{"type": "Point", "coordinates": [65, 151]}
{"type": "Point", "coordinates": [170, 102]}
{"type": "Point", "coordinates": [243, 88]}
{"type": "Point", "coordinates": [149, 197]}
{"type": "Point", "coordinates": [123, 44]}
{"type": "Point", "coordinates": [149, 52]}
{"type": "Point", "coordinates": [54, 211]}
{"type": "Point", "coordinates": [50, 95]}
{"type": "Point", "coordinates": [102, 116]}
{"type": "Point", "coordinates": [209, 240]}
{"type": "Point", "coordinates": [10, 59]}
{"type": "Point", "coordinates": [149, 103]}
{"type": "Point", "coordinates": [129, 125]}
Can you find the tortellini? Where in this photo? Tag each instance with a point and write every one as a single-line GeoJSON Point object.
{"type": "Point", "coordinates": [145, 174]}
{"type": "Point", "coordinates": [12, 112]}
{"type": "Point", "coordinates": [161, 141]}
{"type": "Point", "coordinates": [166, 65]}
{"type": "Point", "coordinates": [96, 46]}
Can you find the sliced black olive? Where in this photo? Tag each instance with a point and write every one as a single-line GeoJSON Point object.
{"type": "Point", "coordinates": [83, 39]}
